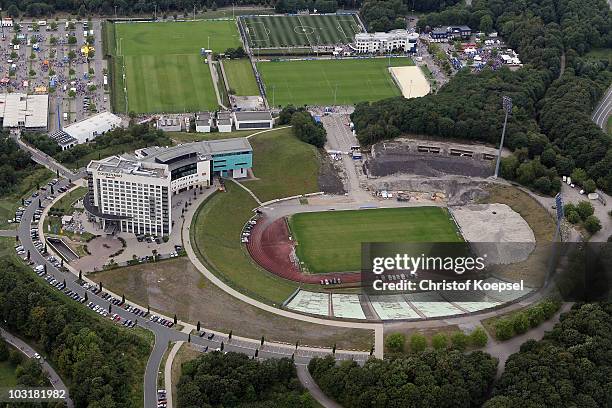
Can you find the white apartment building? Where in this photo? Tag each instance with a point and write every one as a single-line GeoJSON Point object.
{"type": "Point", "coordinates": [373, 43]}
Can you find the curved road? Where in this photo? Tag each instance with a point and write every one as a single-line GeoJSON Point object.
{"type": "Point", "coordinates": [56, 380]}
{"type": "Point", "coordinates": [164, 335]}
{"type": "Point", "coordinates": [603, 110]}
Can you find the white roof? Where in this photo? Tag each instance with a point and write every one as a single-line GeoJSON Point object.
{"type": "Point", "coordinates": [391, 35]}
{"type": "Point", "coordinates": [88, 129]}
{"type": "Point", "coordinates": [19, 109]}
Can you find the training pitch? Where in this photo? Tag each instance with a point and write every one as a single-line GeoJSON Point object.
{"type": "Point", "coordinates": [164, 71]}
{"type": "Point", "coordinates": [240, 77]}
{"type": "Point", "coordinates": [299, 30]}
{"type": "Point", "coordinates": [331, 241]}
{"type": "Point", "coordinates": [329, 82]}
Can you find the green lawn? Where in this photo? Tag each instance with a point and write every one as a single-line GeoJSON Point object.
{"type": "Point", "coordinates": [331, 241]}
{"type": "Point", "coordinates": [283, 165]}
{"type": "Point", "coordinates": [300, 30]}
{"type": "Point", "coordinates": [240, 77]}
{"type": "Point", "coordinates": [10, 203]}
{"type": "Point", "coordinates": [329, 82]}
{"type": "Point", "coordinates": [66, 203]}
{"type": "Point", "coordinates": [215, 236]}
{"type": "Point", "coordinates": [163, 66]}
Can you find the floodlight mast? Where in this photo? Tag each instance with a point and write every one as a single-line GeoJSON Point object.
{"type": "Point", "coordinates": [507, 105]}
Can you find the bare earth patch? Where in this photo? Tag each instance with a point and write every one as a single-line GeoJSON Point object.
{"type": "Point", "coordinates": [175, 286]}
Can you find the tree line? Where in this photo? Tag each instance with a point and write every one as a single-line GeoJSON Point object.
{"type": "Point", "coordinates": [131, 138]}
{"type": "Point", "coordinates": [430, 379]}
{"type": "Point", "coordinates": [571, 366]}
{"type": "Point", "coordinates": [83, 8]}
{"type": "Point", "coordinates": [550, 130]}
{"type": "Point", "coordinates": [304, 126]}
{"type": "Point", "coordinates": [101, 362]}
{"type": "Point", "coordinates": [15, 164]}
{"type": "Point", "coordinates": [385, 15]}
{"type": "Point", "coordinates": [234, 380]}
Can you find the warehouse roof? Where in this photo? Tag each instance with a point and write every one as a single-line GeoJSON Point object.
{"type": "Point", "coordinates": [89, 128]}
{"type": "Point", "coordinates": [19, 109]}
{"type": "Point", "coordinates": [243, 116]}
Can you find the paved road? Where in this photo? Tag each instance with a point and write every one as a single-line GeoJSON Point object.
{"type": "Point", "coordinates": [309, 383]}
{"type": "Point", "coordinates": [603, 110]}
{"type": "Point", "coordinates": [163, 335]}
{"type": "Point", "coordinates": [56, 380]}
{"type": "Point", "coordinates": [503, 350]}
{"type": "Point", "coordinates": [46, 160]}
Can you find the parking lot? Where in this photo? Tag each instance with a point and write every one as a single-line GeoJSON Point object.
{"type": "Point", "coordinates": [46, 57]}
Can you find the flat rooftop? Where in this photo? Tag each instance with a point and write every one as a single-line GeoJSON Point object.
{"type": "Point", "coordinates": [117, 164]}
{"type": "Point", "coordinates": [254, 115]}
{"type": "Point", "coordinates": [19, 109]}
{"type": "Point", "coordinates": [204, 149]}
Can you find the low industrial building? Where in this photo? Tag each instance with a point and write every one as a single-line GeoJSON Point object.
{"type": "Point", "coordinates": [133, 193]}
{"type": "Point", "coordinates": [85, 130]}
{"type": "Point", "coordinates": [224, 121]}
{"type": "Point", "coordinates": [169, 124]}
{"type": "Point", "coordinates": [23, 111]}
{"type": "Point", "coordinates": [374, 43]}
{"type": "Point", "coordinates": [451, 32]}
{"type": "Point", "coordinates": [203, 122]}
{"type": "Point", "coordinates": [245, 120]}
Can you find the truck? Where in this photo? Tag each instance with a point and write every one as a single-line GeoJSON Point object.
{"type": "Point", "coordinates": [65, 115]}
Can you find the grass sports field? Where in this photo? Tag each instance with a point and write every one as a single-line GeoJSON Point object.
{"type": "Point", "coordinates": [325, 82]}
{"type": "Point", "coordinates": [302, 30]}
{"type": "Point", "coordinates": [240, 77]}
{"type": "Point", "coordinates": [331, 241]}
{"type": "Point", "coordinates": [163, 67]}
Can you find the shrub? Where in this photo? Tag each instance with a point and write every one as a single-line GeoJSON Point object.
{"type": "Point", "coordinates": [504, 329]}
{"type": "Point", "coordinates": [535, 315]}
{"type": "Point", "coordinates": [520, 323]}
{"type": "Point", "coordinates": [459, 340]}
{"type": "Point", "coordinates": [589, 186]}
{"type": "Point", "coordinates": [585, 209]}
{"type": "Point", "coordinates": [549, 307]}
{"type": "Point", "coordinates": [572, 217]}
{"type": "Point", "coordinates": [395, 342]}
{"type": "Point", "coordinates": [478, 338]}
{"type": "Point", "coordinates": [418, 343]}
{"type": "Point", "coordinates": [592, 224]}
{"type": "Point", "coordinates": [439, 341]}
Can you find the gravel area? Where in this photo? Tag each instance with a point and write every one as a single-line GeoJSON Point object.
{"type": "Point", "coordinates": [497, 231]}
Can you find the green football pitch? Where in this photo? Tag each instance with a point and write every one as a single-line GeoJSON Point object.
{"type": "Point", "coordinates": [240, 77]}
{"type": "Point", "coordinates": [331, 241]}
{"type": "Point", "coordinates": [299, 30]}
{"type": "Point", "coordinates": [329, 82]}
{"type": "Point", "coordinates": [164, 71]}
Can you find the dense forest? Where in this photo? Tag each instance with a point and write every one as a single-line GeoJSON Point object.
{"type": "Point", "coordinates": [303, 125]}
{"type": "Point", "coordinates": [15, 164]}
{"type": "Point", "coordinates": [385, 15]}
{"type": "Point", "coordinates": [102, 363]}
{"type": "Point", "coordinates": [430, 379]}
{"type": "Point", "coordinates": [550, 128]}
{"type": "Point", "coordinates": [571, 366]}
{"type": "Point", "coordinates": [128, 7]}
{"type": "Point", "coordinates": [234, 380]}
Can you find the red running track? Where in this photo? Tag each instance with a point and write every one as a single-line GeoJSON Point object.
{"type": "Point", "coordinates": [270, 246]}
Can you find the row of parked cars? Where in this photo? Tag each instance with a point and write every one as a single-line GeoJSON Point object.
{"type": "Point", "coordinates": [246, 231]}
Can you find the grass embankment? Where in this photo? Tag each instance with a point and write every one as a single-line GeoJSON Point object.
{"type": "Point", "coordinates": [215, 235]}
{"type": "Point", "coordinates": [187, 137]}
{"type": "Point", "coordinates": [9, 203]}
{"type": "Point", "coordinates": [331, 241]}
{"type": "Point", "coordinates": [283, 165]}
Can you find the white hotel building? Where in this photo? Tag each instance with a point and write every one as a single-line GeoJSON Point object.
{"type": "Point", "coordinates": [134, 193]}
{"type": "Point", "coordinates": [373, 43]}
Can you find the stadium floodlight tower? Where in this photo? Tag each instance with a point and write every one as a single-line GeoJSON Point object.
{"type": "Point", "coordinates": [507, 105]}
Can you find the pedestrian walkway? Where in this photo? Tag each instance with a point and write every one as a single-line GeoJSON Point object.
{"type": "Point", "coordinates": [54, 378]}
